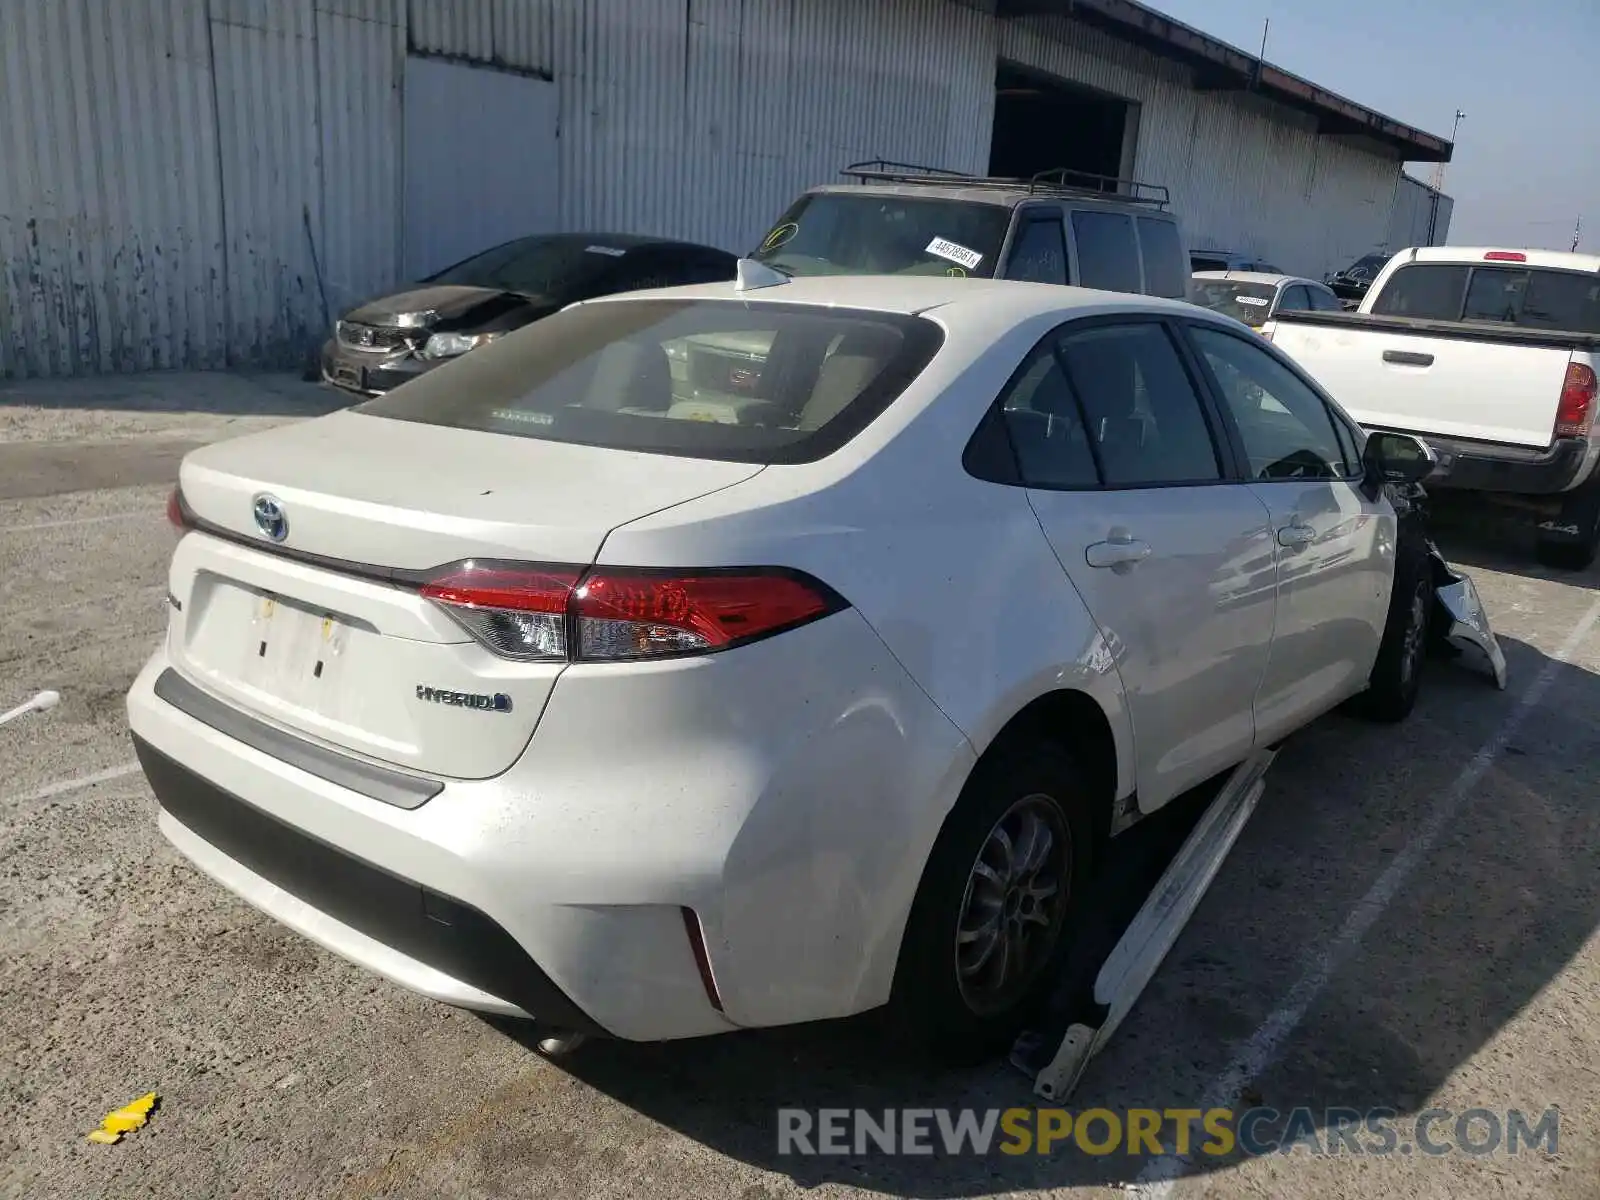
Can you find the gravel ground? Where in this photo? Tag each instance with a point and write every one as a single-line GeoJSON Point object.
{"type": "Point", "coordinates": [1408, 922]}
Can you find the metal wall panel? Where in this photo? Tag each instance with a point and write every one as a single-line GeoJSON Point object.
{"type": "Point", "coordinates": [265, 55]}
{"type": "Point", "coordinates": [459, 195]}
{"type": "Point", "coordinates": [1245, 174]}
{"type": "Point", "coordinates": [184, 179]}
{"type": "Point", "coordinates": [509, 33]}
{"type": "Point", "coordinates": [1410, 215]}
{"type": "Point", "coordinates": [110, 227]}
{"type": "Point", "coordinates": [358, 96]}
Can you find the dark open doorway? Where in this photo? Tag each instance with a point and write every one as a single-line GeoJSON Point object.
{"type": "Point", "coordinates": [1041, 123]}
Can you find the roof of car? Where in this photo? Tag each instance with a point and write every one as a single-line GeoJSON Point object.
{"type": "Point", "coordinates": [1261, 277]}
{"type": "Point", "coordinates": [1560, 260]}
{"type": "Point", "coordinates": [999, 197]}
{"type": "Point", "coordinates": [616, 241]}
{"type": "Point", "coordinates": [913, 294]}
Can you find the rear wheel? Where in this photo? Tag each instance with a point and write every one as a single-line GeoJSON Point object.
{"type": "Point", "coordinates": [1575, 551]}
{"type": "Point", "coordinates": [997, 903]}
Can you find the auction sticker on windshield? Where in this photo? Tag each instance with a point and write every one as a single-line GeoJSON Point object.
{"type": "Point", "coordinates": [954, 252]}
{"type": "Point", "coordinates": [1252, 301]}
{"type": "Point", "coordinates": [611, 250]}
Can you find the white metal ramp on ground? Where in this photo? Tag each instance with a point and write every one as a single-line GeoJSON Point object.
{"type": "Point", "coordinates": [1154, 929]}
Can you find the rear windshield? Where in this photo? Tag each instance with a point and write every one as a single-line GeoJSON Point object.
{"type": "Point", "coordinates": [1247, 302]}
{"type": "Point", "coordinates": [1530, 298]}
{"type": "Point", "coordinates": [836, 233]}
{"type": "Point", "coordinates": [758, 383]}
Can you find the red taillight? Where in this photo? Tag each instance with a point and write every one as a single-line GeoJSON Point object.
{"type": "Point", "coordinates": [517, 611]}
{"type": "Point", "coordinates": [1575, 413]}
{"type": "Point", "coordinates": [1505, 256]}
{"type": "Point", "coordinates": [644, 614]}
{"type": "Point", "coordinates": [538, 613]}
{"type": "Point", "coordinates": [177, 511]}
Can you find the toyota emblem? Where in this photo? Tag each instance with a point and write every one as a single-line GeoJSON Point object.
{"type": "Point", "coordinates": [270, 518]}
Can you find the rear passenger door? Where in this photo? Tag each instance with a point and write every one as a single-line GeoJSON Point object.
{"type": "Point", "coordinates": [1333, 571]}
{"type": "Point", "coordinates": [1171, 555]}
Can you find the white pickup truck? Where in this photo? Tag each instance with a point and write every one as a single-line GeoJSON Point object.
{"type": "Point", "coordinates": [1490, 356]}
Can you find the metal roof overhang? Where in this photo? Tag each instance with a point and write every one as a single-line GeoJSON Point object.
{"type": "Point", "coordinates": [1221, 67]}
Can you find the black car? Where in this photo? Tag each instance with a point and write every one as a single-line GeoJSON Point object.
{"type": "Point", "coordinates": [385, 342]}
{"type": "Point", "coordinates": [1351, 284]}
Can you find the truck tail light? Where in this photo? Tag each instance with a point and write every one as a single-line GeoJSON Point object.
{"type": "Point", "coordinates": [1575, 413]}
{"type": "Point", "coordinates": [535, 613]}
{"type": "Point", "coordinates": [1505, 256]}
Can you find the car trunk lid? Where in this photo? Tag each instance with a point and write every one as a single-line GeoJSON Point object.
{"type": "Point", "coordinates": [324, 632]}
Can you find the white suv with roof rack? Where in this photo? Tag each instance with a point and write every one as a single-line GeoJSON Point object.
{"type": "Point", "coordinates": [1063, 227]}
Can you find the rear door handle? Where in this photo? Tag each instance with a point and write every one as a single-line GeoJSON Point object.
{"type": "Point", "coordinates": [1408, 358]}
{"type": "Point", "coordinates": [1119, 552]}
{"type": "Point", "coordinates": [1296, 535]}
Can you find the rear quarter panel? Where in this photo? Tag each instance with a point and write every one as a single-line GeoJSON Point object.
{"type": "Point", "coordinates": [954, 574]}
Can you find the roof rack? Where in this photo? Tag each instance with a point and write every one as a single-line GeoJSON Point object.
{"type": "Point", "coordinates": [1058, 182]}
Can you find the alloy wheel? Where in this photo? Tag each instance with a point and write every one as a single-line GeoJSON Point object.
{"type": "Point", "coordinates": [1014, 905]}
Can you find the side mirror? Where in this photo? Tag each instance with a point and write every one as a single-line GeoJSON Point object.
{"type": "Point", "coordinates": [1398, 458]}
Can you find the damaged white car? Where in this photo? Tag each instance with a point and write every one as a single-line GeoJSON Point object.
{"type": "Point", "coordinates": [769, 651]}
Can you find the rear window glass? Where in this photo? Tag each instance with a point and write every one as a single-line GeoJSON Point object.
{"type": "Point", "coordinates": [1428, 291]}
{"type": "Point", "coordinates": [1163, 257]}
{"type": "Point", "coordinates": [834, 233]}
{"type": "Point", "coordinates": [1568, 301]}
{"type": "Point", "coordinates": [1247, 302]}
{"type": "Point", "coordinates": [759, 383]}
{"type": "Point", "coordinates": [1107, 256]}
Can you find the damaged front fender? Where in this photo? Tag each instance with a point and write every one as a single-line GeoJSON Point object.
{"type": "Point", "coordinates": [1460, 615]}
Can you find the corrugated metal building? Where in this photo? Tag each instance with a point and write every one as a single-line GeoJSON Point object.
{"type": "Point", "coordinates": [1420, 216]}
{"type": "Point", "coordinates": [200, 183]}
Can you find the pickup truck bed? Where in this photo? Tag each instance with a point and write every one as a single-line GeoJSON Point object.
{"type": "Point", "coordinates": [1488, 355]}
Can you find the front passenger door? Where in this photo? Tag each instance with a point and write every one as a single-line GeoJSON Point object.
{"type": "Point", "coordinates": [1172, 557]}
{"type": "Point", "coordinates": [1333, 573]}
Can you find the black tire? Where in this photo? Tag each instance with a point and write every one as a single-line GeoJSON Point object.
{"type": "Point", "coordinates": [1581, 508]}
{"type": "Point", "coordinates": [935, 1007]}
{"type": "Point", "coordinates": [1396, 677]}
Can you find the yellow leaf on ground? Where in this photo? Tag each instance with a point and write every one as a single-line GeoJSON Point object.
{"type": "Point", "coordinates": [129, 1117]}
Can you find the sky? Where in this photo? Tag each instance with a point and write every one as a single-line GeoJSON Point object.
{"type": "Point", "coordinates": [1527, 156]}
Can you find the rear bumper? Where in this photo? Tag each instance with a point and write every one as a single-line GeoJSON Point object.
{"type": "Point", "coordinates": [1495, 467]}
{"type": "Point", "coordinates": [436, 944]}
{"type": "Point", "coordinates": [791, 818]}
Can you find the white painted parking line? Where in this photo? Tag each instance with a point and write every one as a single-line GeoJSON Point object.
{"type": "Point", "coordinates": [1160, 1176]}
{"type": "Point", "coordinates": [62, 786]}
{"type": "Point", "coordinates": [135, 515]}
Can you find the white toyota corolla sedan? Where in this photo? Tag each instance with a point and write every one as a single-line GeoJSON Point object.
{"type": "Point", "coordinates": [735, 656]}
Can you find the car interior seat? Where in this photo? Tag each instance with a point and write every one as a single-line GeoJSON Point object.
{"type": "Point", "coordinates": [632, 377]}
{"type": "Point", "coordinates": [856, 361]}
